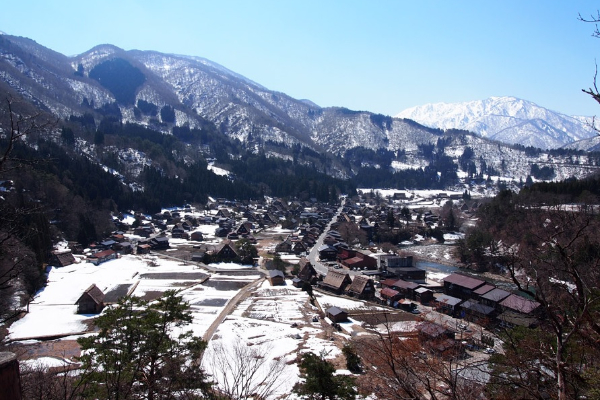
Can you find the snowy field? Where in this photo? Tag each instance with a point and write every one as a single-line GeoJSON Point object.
{"type": "Point", "coordinates": [53, 311]}
{"type": "Point", "coordinates": [275, 323]}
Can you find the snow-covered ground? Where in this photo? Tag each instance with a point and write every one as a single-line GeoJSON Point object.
{"type": "Point", "coordinates": [275, 322]}
{"type": "Point", "coordinates": [53, 311]}
{"type": "Point", "coordinates": [217, 170]}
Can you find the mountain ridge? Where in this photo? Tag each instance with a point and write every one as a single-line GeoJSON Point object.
{"type": "Point", "coordinates": [504, 118]}
{"type": "Point", "coordinates": [184, 93]}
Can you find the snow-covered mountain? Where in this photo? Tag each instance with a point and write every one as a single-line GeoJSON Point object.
{"type": "Point", "coordinates": [163, 91]}
{"type": "Point", "coordinates": [505, 119]}
{"type": "Point", "coordinates": [198, 90]}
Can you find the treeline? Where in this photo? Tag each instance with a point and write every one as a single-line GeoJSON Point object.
{"type": "Point", "coordinates": [435, 176]}
{"type": "Point", "coordinates": [507, 208]}
{"type": "Point", "coordinates": [572, 189]}
{"type": "Point", "coordinates": [281, 178]}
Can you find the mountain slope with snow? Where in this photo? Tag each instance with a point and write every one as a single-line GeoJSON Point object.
{"type": "Point", "coordinates": [505, 119]}
{"type": "Point", "coordinates": [164, 91]}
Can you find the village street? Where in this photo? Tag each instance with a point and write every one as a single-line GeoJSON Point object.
{"type": "Point", "coordinates": [313, 256]}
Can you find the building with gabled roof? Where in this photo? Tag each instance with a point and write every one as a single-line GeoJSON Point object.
{"type": "Point", "coordinates": [446, 304]}
{"type": "Point", "coordinates": [159, 243]}
{"type": "Point", "coordinates": [359, 260]}
{"type": "Point", "coordinates": [405, 288]}
{"type": "Point", "coordinates": [477, 312]}
{"type": "Point", "coordinates": [307, 271]}
{"type": "Point", "coordinates": [362, 287]}
{"type": "Point", "coordinates": [102, 256]}
{"type": "Point", "coordinates": [519, 304]}
{"type": "Point", "coordinates": [226, 251]}
{"type": "Point", "coordinates": [91, 301]}
{"type": "Point", "coordinates": [336, 281]}
{"type": "Point", "coordinates": [423, 294]}
{"type": "Point", "coordinates": [328, 253]}
{"type": "Point", "coordinates": [390, 296]}
{"type": "Point", "coordinates": [494, 297]}
{"type": "Point", "coordinates": [276, 277]}
{"type": "Point", "coordinates": [462, 286]}
{"type": "Point", "coordinates": [336, 314]}
{"type": "Point", "coordinates": [63, 258]}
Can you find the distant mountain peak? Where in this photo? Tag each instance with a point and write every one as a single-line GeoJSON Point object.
{"type": "Point", "coordinates": [504, 118]}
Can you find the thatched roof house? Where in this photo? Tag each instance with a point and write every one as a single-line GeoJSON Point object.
{"type": "Point", "coordinates": [362, 287]}
{"type": "Point", "coordinates": [91, 301]}
{"type": "Point", "coordinates": [336, 281]}
{"type": "Point", "coordinates": [63, 258]}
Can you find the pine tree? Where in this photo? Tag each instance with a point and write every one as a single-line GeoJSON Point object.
{"type": "Point", "coordinates": [137, 355]}
{"type": "Point", "coordinates": [320, 381]}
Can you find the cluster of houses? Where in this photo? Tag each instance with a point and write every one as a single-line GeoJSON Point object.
{"type": "Point", "coordinates": [394, 283]}
{"type": "Point", "coordinates": [481, 302]}
{"type": "Point", "coordinates": [371, 212]}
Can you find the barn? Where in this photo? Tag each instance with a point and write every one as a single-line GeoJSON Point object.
{"type": "Point", "coordinates": [91, 301]}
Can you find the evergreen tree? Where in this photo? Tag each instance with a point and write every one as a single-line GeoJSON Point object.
{"type": "Point", "coordinates": [99, 138]}
{"type": "Point", "coordinates": [390, 218]}
{"type": "Point", "coordinates": [247, 251]}
{"type": "Point", "coordinates": [137, 355]}
{"type": "Point", "coordinates": [320, 381]}
{"type": "Point", "coordinates": [352, 359]}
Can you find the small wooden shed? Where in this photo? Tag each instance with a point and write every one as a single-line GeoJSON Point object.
{"type": "Point", "coordinates": [63, 258]}
{"type": "Point", "coordinates": [276, 277]}
{"type": "Point", "coordinates": [91, 301]}
{"type": "Point", "coordinates": [336, 314]}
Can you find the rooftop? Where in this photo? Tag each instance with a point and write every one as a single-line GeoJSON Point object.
{"type": "Point", "coordinates": [464, 281]}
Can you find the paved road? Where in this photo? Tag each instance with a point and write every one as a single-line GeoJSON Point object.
{"type": "Point", "coordinates": [313, 256]}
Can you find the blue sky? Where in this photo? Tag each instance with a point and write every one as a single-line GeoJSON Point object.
{"type": "Point", "coordinates": [378, 55]}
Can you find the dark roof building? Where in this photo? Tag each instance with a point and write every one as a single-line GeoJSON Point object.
{"type": "Point", "coordinates": [362, 287]}
{"type": "Point", "coordinates": [477, 312]}
{"type": "Point", "coordinates": [336, 281]}
{"type": "Point", "coordinates": [462, 286]}
{"type": "Point", "coordinates": [328, 253]}
{"type": "Point", "coordinates": [446, 304]}
{"type": "Point", "coordinates": [405, 288]}
{"type": "Point", "coordinates": [336, 314]}
{"type": "Point", "coordinates": [91, 301]}
{"type": "Point", "coordinates": [424, 295]}
{"type": "Point", "coordinates": [226, 251]}
{"type": "Point", "coordinates": [64, 258]}
{"type": "Point", "coordinates": [307, 271]}
{"type": "Point", "coordinates": [494, 297]}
